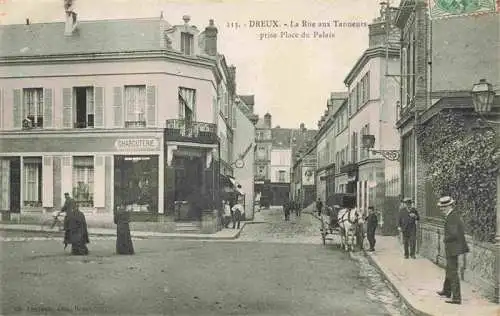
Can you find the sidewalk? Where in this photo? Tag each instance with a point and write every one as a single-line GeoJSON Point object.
{"type": "Point", "coordinates": [225, 234]}
{"type": "Point", "coordinates": [417, 280]}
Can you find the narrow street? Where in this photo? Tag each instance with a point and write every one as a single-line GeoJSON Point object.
{"type": "Point", "coordinates": [274, 268]}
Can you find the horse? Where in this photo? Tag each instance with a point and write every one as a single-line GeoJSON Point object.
{"type": "Point", "coordinates": [349, 221]}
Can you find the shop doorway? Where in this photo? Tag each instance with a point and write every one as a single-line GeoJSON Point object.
{"type": "Point", "coordinates": [136, 183]}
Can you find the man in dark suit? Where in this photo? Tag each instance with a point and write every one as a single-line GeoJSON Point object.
{"type": "Point", "coordinates": [371, 226]}
{"type": "Point", "coordinates": [408, 217]}
{"type": "Point", "coordinates": [454, 245]}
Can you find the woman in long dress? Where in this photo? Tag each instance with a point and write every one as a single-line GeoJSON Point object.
{"type": "Point", "coordinates": [124, 244]}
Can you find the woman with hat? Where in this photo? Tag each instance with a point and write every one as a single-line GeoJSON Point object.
{"type": "Point", "coordinates": [454, 245]}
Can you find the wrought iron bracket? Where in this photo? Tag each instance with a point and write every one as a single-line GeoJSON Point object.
{"type": "Point", "coordinates": [392, 155]}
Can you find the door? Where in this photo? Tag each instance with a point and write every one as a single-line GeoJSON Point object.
{"type": "Point", "coordinates": [15, 185]}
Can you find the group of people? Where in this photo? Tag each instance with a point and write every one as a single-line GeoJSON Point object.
{"type": "Point", "coordinates": [233, 212]}
{"type": "Point", "coordinates": [454, 242]}
{"type": "Point", "coordinates": [76, 232]}
{"type": "Point", "coordinates": [290, 207]}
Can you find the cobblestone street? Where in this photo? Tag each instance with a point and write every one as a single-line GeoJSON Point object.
{"type": "Point", "coordinates": [274, 268]}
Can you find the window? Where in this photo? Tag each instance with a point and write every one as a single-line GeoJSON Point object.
{"type": "Point", "coordinates": [32, 186]}
{"type": "Point", "coordinates": [364, 151]}
{"type": "Point", "coordinates": [187, 107]}
{"type": "Point", "coordinates": [354, 147]}
{"type": "Point", "coordinates": [366, 90]}
{"type": "Point", "coordinates": [281, 175]}
{"type": "Point", "coordinates": [83, 181]}
{"type": "Point", "coordinates": [186, 43]}
{"type": "Point", "coordinates": [84, 100]}
{"type": "Point", "coordinates": [33, 106]}
{"type": "Point", "coordinates": [135, 106]}
{"type": "Point", "coordinates": [261, 170]}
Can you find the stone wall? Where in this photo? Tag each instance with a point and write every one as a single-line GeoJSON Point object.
{"type": "Point", "coordinates": [477, 267]}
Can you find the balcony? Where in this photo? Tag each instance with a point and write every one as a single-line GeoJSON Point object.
{"type": "Point", "coordinates": [350, 168]}
{"type": "Point", "coordinates": [192, 132]}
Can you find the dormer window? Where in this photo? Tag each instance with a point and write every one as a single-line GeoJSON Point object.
{"type": "Point", "coordinates": [187, 43]}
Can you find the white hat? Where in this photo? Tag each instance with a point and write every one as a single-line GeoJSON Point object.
{"type": "Point", "coordinates": [445, 201]}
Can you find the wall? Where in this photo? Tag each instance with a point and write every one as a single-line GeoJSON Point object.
{"type": "Point", "coordinates": [165, 75]}
{"type": "Point", "coordinates": [281, 160]}
{"type": "Point", "coordinates": [479, 265]}
{"type": "Point", "coordinates": [244, 135]}
{"type": "Point", "coordinates": [455, 41]}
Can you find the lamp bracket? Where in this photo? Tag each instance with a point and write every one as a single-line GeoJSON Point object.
{"type": "Point", "coordinates": [392, 155]}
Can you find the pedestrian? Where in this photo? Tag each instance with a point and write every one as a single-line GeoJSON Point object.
{"type": "Point", "coordinates": [124, 244]}
{"type": "Point", "coordinates": [454, 245]}
{"type": "Point", "coordinates": [408, 218]}
{"type": "Point", "coordinates": [75, 227]}
{"type": "Point", "coordinates": [296, 205]}
{"type": "Point", "coordinates": [319, 206]}
{"type": "Point", "coordinates": [371, 226]}
{"type": "Point", "coordinates": [286, 209]}
{"type": "Point", "coordinates": [238, 211]}
{"type": "Point", "coordinates": [227, 214]}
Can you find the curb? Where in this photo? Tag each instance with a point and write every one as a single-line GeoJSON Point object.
{"type": "Point", "coordinates": [134, 234]}
{"type": "Point", "coordinates": [394, 288]}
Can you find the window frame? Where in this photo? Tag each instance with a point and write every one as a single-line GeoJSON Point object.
{"type": "Point", "coordinates": [38, 105]}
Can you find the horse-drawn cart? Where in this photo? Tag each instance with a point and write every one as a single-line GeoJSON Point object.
{"type": "Point", "coordinates": [340, 217]}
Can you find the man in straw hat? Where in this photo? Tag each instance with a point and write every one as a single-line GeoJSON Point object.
{"type": "Point", "coordinates": [407, 225]}
{"type": "Point", "coordinates": [454, 245]}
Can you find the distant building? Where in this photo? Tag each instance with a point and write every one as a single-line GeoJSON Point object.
{"type": "Point", "coordinates": [274, 157]}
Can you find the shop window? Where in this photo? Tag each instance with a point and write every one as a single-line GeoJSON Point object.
{"type": "Point", "coordinates": [84, 100]}
{"type": "Point", "coordinates": [33, 106]}
{"type": "Point", "coordinates": [32, 184]}
{"type": "Point", "coordinates": [83, 181]}
{"type": "Point", "coordinates": [135, 106]}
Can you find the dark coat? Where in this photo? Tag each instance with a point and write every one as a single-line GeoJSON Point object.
{"type": "Point", "coordinates": [371, 223]}
{"type": "Point", "coordinates": [75, 227]}
{"type": "Point", "coordinates": [407, 222]}
{"type": "Point", "coordinates": [454, 235]}
{"type": "Point", "coordinates": [69, 205]}
{"type": "Point", "coordinates": [124, 243]}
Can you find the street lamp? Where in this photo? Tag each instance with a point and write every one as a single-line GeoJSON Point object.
{"type": "Point", "coordinates": [483, 96]}
{"type": "Point", "coordinates": [368, 142]}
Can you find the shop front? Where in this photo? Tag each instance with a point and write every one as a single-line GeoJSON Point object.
{"type": "Point", "coordinates": [97, 169]}
{"type": "Point", "coordinates": [191, 181]}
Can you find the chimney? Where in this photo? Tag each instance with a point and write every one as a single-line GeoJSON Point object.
{"type": "Point", "coordinates": [302, 127]}
{"type": "Point", "coordinates": [27, 21]}
{"type": "Point", "coordinates": [378, 31]}
{"type": "Point", "coordinates": [267, 120]}
{"type": "Point", "coordinates": [211, 39]}
{"type": "Point", "coordinates": [71, 22]}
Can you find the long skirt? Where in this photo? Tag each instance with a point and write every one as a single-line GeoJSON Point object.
{"type": "Point", "coordinates": [79, 249]}
{"type": "Point", "coordinates": [124, 244]}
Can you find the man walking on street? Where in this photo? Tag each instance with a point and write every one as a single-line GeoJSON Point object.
{"type": "Point", "coordinates": [371, 226]}
{"type": "Point", "coordinates": [286, 209]}
{"type": "Point", "coordinates": [319, 206]}
{"type": "Point", "coordinates": [408, 217]}
{"type": "Point", "coordinates": [454, 245]}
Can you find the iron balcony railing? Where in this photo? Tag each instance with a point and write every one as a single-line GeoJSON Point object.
{"type": "Point", "coordinates": [190, 131]}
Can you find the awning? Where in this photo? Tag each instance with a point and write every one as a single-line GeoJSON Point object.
{"type": "Point", "coordinates": [231, 182]}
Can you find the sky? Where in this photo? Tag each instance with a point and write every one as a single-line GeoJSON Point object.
{"type": "Point", "coordinates": [291, 78]}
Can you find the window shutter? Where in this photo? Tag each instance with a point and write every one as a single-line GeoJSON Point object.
{"type": "Point", "coordinates": [4, 184]}
{"type": "Point", "coordinates": [67, 108]}
{"type": "Point", "coordinates": [17, 110]}
{"type": "Point", "coordinates": [151, 106]}
{"type": "Point", "coordinates": [117, 107]}
{"type": "Point", "coordinates": [47, 108]}
{"type": "Point", "coordinates": [66, 176]}
{"type": "Point", "coordinates": [99, 107]}
{"type": "Point", "coordinates": [99, 182]}
{"type": "Point", "coordinates": [48, 181]}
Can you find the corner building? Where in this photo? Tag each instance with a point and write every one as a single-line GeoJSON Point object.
{"type": "Point", "coordinates": [116, 112]}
